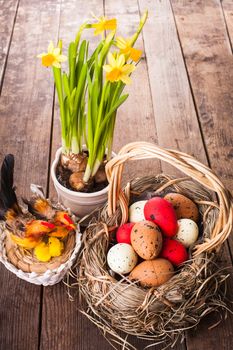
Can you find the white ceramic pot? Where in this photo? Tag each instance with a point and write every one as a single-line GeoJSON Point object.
{"type": "Point", "coordinates": [79, 203]}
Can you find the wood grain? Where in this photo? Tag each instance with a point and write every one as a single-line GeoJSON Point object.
{"type": "Point", "coordinates": [63, 326]}
{"type": "Point", "coordinates": [174, 110]}
{"type": "Point", "coordinates": [180, 97]}
{"type": "Point", "coordinates": [8, 12]}
{"type": "Point", "coordinates": [135, 121]}
{"type": "Point", "coordinates": [227, 6]}
{"type": "Point", "coordinates": [208, 58]}
{"type": "Point", "coordinates": [176, 120]}
{"type": "Point", "coordinates": [25, 111]}
{"type": "Point", "coordinates": [210, 67]}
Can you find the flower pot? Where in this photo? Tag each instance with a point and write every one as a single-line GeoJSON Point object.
{"type": "Point", "coordinates": [79, 203]}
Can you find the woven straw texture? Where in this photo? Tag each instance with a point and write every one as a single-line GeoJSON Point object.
{"type": "Point", "coordinates": [198, 288]}
{"type": "Point", "coordinates": [23, 263]}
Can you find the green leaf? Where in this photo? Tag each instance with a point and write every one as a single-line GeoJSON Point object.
{"type": "Point", "coordinates": [66, 84]}
{"type": "Point", "coordinates": [72, 52]}
{"type": "Point", "coordinates": [81, 58]}
{"type": "Point", "coordinates": [106, 120]}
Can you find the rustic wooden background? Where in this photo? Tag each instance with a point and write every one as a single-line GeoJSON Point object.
{"type": "Point", "coordinates": [181, 97]}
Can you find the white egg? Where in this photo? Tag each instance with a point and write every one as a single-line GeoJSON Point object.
{"type": "Point", "coordinates": [122, 258]}
{"type": "Point", "coordinates": [136, 211]}
{"type": "Point", "coordinates": [187, 232]}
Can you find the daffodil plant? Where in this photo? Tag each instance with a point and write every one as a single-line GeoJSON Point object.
{"type": "Point", "coordinates": [90, 93]}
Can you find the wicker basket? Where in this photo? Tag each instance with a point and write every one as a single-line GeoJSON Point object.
{"type": "Point", "coordinates": [23, 263]}
{"type": "Point", "coordinates": [156, 314]}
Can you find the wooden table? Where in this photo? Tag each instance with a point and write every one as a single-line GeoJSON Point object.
{"type": "Point", "coordinates": [181, 97]}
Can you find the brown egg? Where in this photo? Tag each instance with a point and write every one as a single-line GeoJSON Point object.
{"type": "Point", "coordinates": [152, 273]}
{"type": "Point", "coordinates": [184, 207]}
{"type": "Point", "coordinates": [146, 239]}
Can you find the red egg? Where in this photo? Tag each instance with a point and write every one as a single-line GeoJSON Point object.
{"type": "Point", "coordinates": [162, 213]}
{"type": "Point", "coordinates": [124, 232]}
{"type": "Point", "coordinates": [174, 251]}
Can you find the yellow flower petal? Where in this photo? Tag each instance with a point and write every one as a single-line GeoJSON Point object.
{"type": "Point", "coordinates": [52, 57]}
{"type": "Point", "coordinates": [110, 24]}
{"type": "Point", "coordinates": [98, 30]}
{"type": "Point", "coordinates": [55, 246]}
{"type": "Point", "coordinates": [42, 54]}
{"type": "Point", "coordinates": [42, 252]}
{"type": "Point", "coordinates": [111, 60]}
{"type": "Point", "coordinates": [48, 60]}
{"type": "Point", "coordinates": [121, 42]}
{"type": "Point", "coordinates": [50, 47]}
{"type": "Point", "coordinates": [56, 64]}
{"type": "Point", "coordinates": [104, 24]}
{"type": "Point", "coordinates": [121, 61]}
{"type": "Point", "coordinates": [114, 75]}
{"type": "Point", "coordinates": [135, 54]}
{"type": "Point", "coordinates": [125, 79]}
{"type": "Point", "coordinates": [61, 58]}
{"type": "Point", "coordinates": [56, 51]}
{"type": "Point", "coordinates": [117, 69]}
{"type": "Point", "coordinates": [128, 68]}
{"type": "Point", "coordinates": [107, 68]}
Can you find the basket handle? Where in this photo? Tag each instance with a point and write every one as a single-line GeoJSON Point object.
{"type": "Point", "coordinates": [189, 166]}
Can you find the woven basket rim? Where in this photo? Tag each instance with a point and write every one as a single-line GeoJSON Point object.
{"type": "Point", "coordinates": [100, 291]}
{"type": "Point", "coordinates": [48, 277]}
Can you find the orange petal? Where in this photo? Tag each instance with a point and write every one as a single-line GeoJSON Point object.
{"type": "Point", "coordinates": [110, 24]}
{"type": "Point", "coordinates": [48, 60]}
{"type": "Point", "coordinates": [135, 54]}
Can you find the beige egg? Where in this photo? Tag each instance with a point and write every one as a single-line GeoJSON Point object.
{"type": "Point", "coordinates": [184, 207]}
{"type": "Point", "coordinates": [187, 232]}
{"type": "Point", "coordinates": [152, 273]}
{"type": "Point", "coordinates": [136, 211]}
{"type": "Point", "coordinates": [122, 258]}
{"type": "Point", "coordinates": [146, 239]}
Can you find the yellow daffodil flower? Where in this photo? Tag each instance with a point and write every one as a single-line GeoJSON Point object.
{"type": "Point", "coordinates": [117, 69]}
{"type": "Point", "coordinates": [27, 243]}
{"type": "Point", "coordinates": [53, 57]}
{"type": "Point", "coordinates": [44, 252]}
{"type": "Point", "coordinates": [104, 24]}
{"type": "Point", "coordinates": [125, 46]}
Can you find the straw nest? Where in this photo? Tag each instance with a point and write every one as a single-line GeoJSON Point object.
{"type": "Point", "coordinates": [198, 287]}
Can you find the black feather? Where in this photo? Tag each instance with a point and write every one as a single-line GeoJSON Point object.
{"type": "Point", "coordinates": [8, 199]}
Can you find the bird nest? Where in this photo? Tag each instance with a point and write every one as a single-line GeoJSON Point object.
{"type": "Point", "coordinates": [156, 314]}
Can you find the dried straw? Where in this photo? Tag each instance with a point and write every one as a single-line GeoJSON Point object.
{"type": "Point", "coordinates": [198, 288]}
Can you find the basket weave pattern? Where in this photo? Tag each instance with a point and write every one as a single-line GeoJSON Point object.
{"type": "Point", "coordinates": [157, 314]}
{"type": "Point", "coordinates": [24, 264]}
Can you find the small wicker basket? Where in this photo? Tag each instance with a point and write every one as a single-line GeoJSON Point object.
{"type": "Point", "coordinates": [156, 314]}
{"type": "Point", "coordinates": [23, 263]}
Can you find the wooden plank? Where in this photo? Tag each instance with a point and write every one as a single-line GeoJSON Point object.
{"type": "Point", "coordinates": [227, 6]}
{"type": "Point", "coordinates": [8, 12]}
{"type": "Point", "coordinates": [135, 111]}
{"type": "Point", "coordinates": [63, 327]}
{"type": "Point", "coordinates": [135, 121]}
{"type": "Point", "coordinates": [209, 64]}
{"type": "Point", "coordinates": [175, 115]}
{"type": "Point", "coordinates": [25, 109]}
